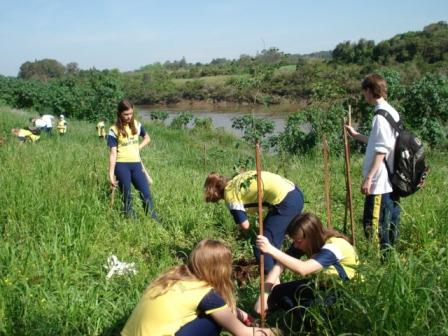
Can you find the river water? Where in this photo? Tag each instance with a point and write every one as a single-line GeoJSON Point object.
{"type": "Point", "coordinates": [222, 115]}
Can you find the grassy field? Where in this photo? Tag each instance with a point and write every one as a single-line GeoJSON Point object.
{"type": "Point", "coordinates": [56, 232]}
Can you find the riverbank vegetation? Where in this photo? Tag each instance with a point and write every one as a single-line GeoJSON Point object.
{"type": "Point", "coordinates": [415, 64]}
{"type": "Point", "coordinates": [56, 232]}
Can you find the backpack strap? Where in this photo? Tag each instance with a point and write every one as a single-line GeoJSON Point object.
{"type": "Point", "coordinates": [397, 126]}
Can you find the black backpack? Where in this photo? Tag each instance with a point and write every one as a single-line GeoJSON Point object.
{"type": "Point", "coordinates": [410, 169]}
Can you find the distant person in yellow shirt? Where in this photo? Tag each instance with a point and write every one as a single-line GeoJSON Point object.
{"type": "Point", "coordinates": [61, 125]}
{"type": "Point", "coordinates": [194, 299]}
{"type": "Point", "coordinates": [24, 135]}
{"type": "Point", "coordinates": [125, 165]}
{"type": "Point", "coordinates": [282, 197]}
{"type": "Point", "coordinates": [101, 129]}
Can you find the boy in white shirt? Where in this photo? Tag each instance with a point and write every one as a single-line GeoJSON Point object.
{"type": "Point", "coordinates": [381, 207]}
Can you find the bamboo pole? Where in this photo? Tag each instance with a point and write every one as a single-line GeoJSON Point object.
{"type": "Point", "coordinates": [348, 181]}
{"type": "Point", "coordinates": [350, 115]}
{"type": "Point", "coordinates": [260, 228]}
{"type": "Point", "coordinates": [327, 181]}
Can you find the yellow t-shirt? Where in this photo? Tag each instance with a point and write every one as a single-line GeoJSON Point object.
{"type": "Point", "coordinates": [241, 191]}
{"type": "Point", "coordinates": [101, 129]}
{"type": "Point", "coordinates": [62, 126]}
{"type": "Point", "coordinates": [23, 133]}
{"type": "Point", "coordinates": [338, 258]}
{"type": "Point", "coordinates": [167, 313]}
{"type": "Point", "coordinates": [127, 147]}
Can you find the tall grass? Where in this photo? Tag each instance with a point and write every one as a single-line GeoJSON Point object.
{"type": "Point", "coordinates": [56, 232]}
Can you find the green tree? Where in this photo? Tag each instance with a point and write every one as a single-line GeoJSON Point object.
{"type": "Point", "coordinates": [426, 107]}
{"type": "Point", "coordinates": [43, 69]}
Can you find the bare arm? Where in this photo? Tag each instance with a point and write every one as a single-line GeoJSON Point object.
{"type": "Point", "coordinates": [112, 162]}
{"type": "Point", "coordinates": [376, 164]}
{"type": "Point", "coordinates": [146, 140]}
{"type": "Point", "coordinates": [244, 226]}
{"type": "Point", "coordinates": [298, 266]}
{"type": "Point", "coordinates": [272, 279]}
{"type": "Point", "coordinates": [356, 135]}
{"type": "Point", "coordinates": [226, 319]}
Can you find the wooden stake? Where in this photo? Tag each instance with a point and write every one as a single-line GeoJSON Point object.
{"type": "Point", "coordinates": [348, 181]}
{"type": "Point", "coordinates": [350, 115]}
{"type": "Point", "coordinates": [327, 181]}
{"type": "Point", "coordinates": [260, 228]}
{"type": "Point", "coordinates": [148, 177]}
{"type": "Point", "coordinates": [345, 210]}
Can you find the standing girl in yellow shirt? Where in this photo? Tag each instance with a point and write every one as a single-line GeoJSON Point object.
{"type": "Point", "coordinates": [125, 165]}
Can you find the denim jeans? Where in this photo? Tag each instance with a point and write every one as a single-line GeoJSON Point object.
{"type": "Point", "coordinates": [382, 217]}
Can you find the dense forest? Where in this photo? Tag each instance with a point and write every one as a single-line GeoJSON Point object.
{"type": "Point", "coordinates": [415, 65]}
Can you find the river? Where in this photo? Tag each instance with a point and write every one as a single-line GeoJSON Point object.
{"type": "Point", "coordinates": [222, 114]}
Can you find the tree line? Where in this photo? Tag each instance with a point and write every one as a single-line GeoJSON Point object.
{"type": "Point", "coordinates": [415, 65]}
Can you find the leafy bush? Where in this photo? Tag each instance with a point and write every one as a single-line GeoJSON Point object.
{"type": "Point", "coordinates": [203, 123]}
{"type": "Point", "coordinates": [253, 128]}
{"type": "Point", "coordinates": [159, 115]}
{"type": "Point", "coordinates": [426, 106]}
{"type": "Point", "coordinates": [182, 120]}
{"type": "Point", "coordinates": [90, 95]}
{"type": "Point", "coordinates": [305, 129]}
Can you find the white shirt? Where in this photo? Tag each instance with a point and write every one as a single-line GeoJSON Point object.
{"type": "Point", "coordinates": [382, 139]}
{"type": "Point", "coordinates": [47, 118]}
{"type": "Point", "coordinates": [40, 123]}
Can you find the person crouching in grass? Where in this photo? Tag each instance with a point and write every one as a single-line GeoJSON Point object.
{"type": "Point", "coordinates": [24, 135]}
{"type": "Point", "coordinates": [192, 299]}
{"type": "Point", "coordinates": [330, 257]}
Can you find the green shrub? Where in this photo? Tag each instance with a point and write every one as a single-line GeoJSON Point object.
{"type": "Point", "coordinates": [159, 115]}
{"type": "Point", "coordinates": [253, 128]}
{"type": "Point", "coordinates": [181, 120]}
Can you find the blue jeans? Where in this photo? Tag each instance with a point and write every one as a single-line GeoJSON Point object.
{"type": "Point", "coordinates": [132, 172]}
{"type": "Point", "coordinates": [277, 221]}
{"type": "Point", "coordinates": [382, 217]}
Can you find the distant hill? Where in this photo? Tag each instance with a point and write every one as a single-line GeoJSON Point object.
{"type": "Point", "coordinates": [427, 46]}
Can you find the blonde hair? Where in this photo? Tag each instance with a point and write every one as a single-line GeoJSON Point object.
{"type": "Point", "coordinates": [214, 187]}
{"type": "Point", "coordinates": [210, 261]}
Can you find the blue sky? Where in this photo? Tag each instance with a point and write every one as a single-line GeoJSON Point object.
{"type": "Point", "coordinates": [129, 34]}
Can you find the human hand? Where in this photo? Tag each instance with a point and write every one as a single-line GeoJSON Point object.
{"type": "Point", "coordinates": [366, 184]}
{"type": "Point", "coordinates": [351, 131]}
{"type": "Point", "coordinates": [264, 245]}
{"type": "Point", "coordinates": [113, 182]}
{"type": "Point", "coordinates": [257, 307]}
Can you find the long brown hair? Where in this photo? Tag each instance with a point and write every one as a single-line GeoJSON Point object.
{"type": "Point", "coordinates": [210, 261]}
{"type": "Point", "coordinates": [214, 187]}
{"type": "Point", "coordinates": [313, 231]}
{"type": "Point", "coordinates": [125, 105]}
